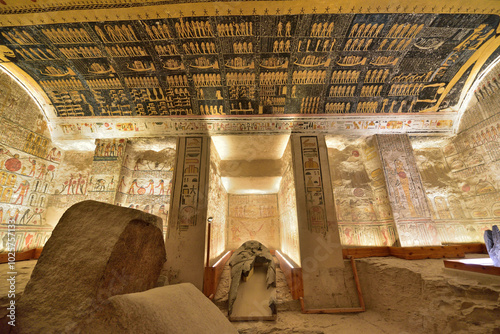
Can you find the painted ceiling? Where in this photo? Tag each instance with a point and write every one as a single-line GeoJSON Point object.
{"type": "Point", "coordinates": [242, 59]}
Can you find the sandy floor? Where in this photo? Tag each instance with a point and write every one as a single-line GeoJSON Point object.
{"type": "Point", "coordinates": [401, 296]}
{"type": "Point", "coordinates": [295, 322]}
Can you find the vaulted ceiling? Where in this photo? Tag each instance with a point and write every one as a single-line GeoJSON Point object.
{"type": "Point", "coordinates": [96, 60]}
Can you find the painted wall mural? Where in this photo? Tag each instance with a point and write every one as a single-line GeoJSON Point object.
{"type": "Point", "coordinates": [406, 192]}
{"type": "Point", "coordinates": [105, 171]}
{"type": "Point", "coordinates": [145, 181]}
{"type": "Point", "coordinates": [248, 64]}
{"type": "Point", "coordinates": [287, 204]}
{"type": "Point", "coordinates": [217, 207]}
{"type": "Point", "coordinates": [315, 199]}
{"type": "Point", "coordinates": [29, 163]}
{"type": "Point", "coordinates": [461, 184]}
{"type": "Point", "coordinates": [362, 204]}
{"type": "Point", "coordinates": [461, 174]}
{"type": "Point", "coordinates": [71, 184]}
{"type": "Point", "coordinates": [254, 217]}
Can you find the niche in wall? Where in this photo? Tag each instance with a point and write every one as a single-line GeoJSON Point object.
{"type": "Point", "coordinates": [259, 207]}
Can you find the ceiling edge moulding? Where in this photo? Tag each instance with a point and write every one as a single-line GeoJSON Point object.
{"type": "Point", "coordinates": [73, 129]}
{"type": "Point", "coordinates": [27, 12]}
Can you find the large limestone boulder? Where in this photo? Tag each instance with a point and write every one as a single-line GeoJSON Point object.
{"type": "Point", "coordinates": [172, 309]}
{"type": "Point", "coordinates": [96, 251]}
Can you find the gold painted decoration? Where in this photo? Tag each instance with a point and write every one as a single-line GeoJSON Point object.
{"type": "Point", "coordinates": [239, 61]}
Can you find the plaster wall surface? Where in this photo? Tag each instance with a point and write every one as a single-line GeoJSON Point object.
{"type": "Point", "coordinates": [71, 184]}
{"type": "Point", "coordinates": [254, 217]}
{"type": "Point", "coordinates": [460, 174]}
{"type": "Point", "coordinates": [29, 163]}
{"type": "Point", "coordinates": [145, 180]}
{"type": "Point", "coordinates": [362, 204]}
{"type": "Point", "coordinates": [409, 205]}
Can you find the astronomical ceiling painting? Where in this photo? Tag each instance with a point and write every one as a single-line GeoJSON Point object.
{"type": "Point", "coordinates": [260, 64]}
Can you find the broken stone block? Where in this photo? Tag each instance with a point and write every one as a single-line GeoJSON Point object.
{"type": "Point", "coordinates": [96, 251]}
{"type": "Point", "coordinates": [174, 309]}
{"type": "Point", "coordinates": [492, 241]}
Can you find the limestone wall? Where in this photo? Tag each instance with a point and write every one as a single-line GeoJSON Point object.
{"type": "Point", "coordinates": [483, 105]}
{"type": "Point", "coordinates": [253, 217]}
{"type": "Point", "coordinates": [217, 207]}
{"type": "Point", "coordinates": [29, 163]}
{"type": "Point", "coordinates": [406, 192]}
{"type": "Point", "coordinates": [363, 210]}
{"type": "Point", "coordinates": [86, 174]}
{"type": "Point", "coordinates": [71, 184]}
{"type": "Point", "coordinates": [461, 179]}
{"type": "Point", "coordinates": [461, 174]}
{"type": "Point", "coordinates": [145, 180]}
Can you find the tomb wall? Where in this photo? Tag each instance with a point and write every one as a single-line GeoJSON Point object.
{"type": "Point", "coordinates": [145, 181]}
{"type": "Point", "coordinates": [254, 217]}
{"type": "Point", "coordinates": [71, 184]}
{"type": "Point", "coordinates": [363, 210]}
{"type": "Point", "coordinates": [29, 163]}
{"type": "Point", "coordinates": [461, 174]}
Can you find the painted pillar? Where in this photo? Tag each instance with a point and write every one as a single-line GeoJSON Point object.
{"type": "Point", "coordinates": [106, 166]}
{"type": "Point", "coordinates": [406, 192]}
{"type": "Point", "coordinates": [185, 241]}
{"type": "Point", "coordinates": [364, 213]}
{"type": "Point", "coordinates": [320, 248]}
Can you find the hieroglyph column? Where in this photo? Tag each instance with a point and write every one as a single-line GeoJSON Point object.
{"type": "Point", "coordinates": [320, 248]}
{"type": "Point", "coordinates": [185, 242]}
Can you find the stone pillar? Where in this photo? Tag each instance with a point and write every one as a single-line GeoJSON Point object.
{"type": "Point", "coordinates": [185, 241]}
{"type": "Point", "coordinates": [106, 167]}
{"type": "Point", "coordinates": [406, 192]}
{"type": "Point", "coordinates": [320, 248]}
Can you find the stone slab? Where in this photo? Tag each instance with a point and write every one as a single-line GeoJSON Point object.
{"type": "Point", "coordinates": [174, 309]}
{"type": "Point", "coordinates": [97, 250]}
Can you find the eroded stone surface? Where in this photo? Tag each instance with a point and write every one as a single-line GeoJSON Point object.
{"type": "Point", "coordinates": [424, 297]}
{"type": "Point", "coordinates": [405, 297]}
{"type": "Point", "coordinates": [96, 251]}
{"type": "Point", "coordinates": [173, 309]}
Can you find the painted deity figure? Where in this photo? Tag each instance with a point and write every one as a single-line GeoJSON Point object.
{"type": "Point", "coordinates": [405, 185]}
{"type": "Point", "coordinates": [151, 187]}
{"type": "Point", "coordinates": [132, 187]}
{"type": "Point", "coordinates": [161, 185]}
{"type": "Point", "coordinates": [122, 184]}
{"type": "Point", "coordinates": [33, 167]}
{"type": "Point", "coordinates": [23, 190]}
